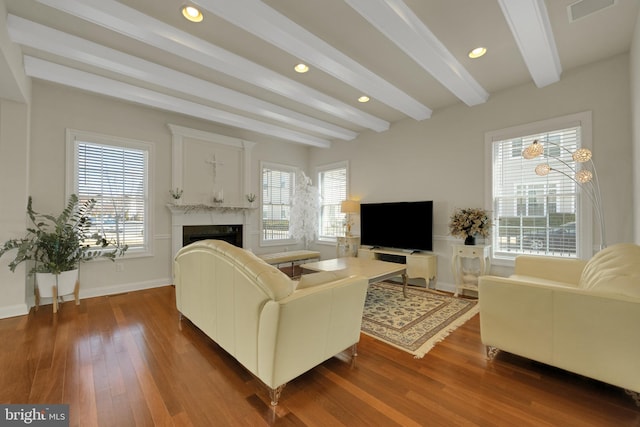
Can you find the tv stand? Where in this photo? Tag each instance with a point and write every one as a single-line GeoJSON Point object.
{"type": "Point", "coordinates": [419, 264]}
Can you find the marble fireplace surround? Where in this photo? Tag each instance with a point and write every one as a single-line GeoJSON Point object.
{"type": "Point", "coordinates": [185, 215]}
{"type": "Point", "coordinates": [194, 151]}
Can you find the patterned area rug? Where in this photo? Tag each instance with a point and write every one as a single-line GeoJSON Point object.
{"type": "Point", "coordinates": [416, 323]}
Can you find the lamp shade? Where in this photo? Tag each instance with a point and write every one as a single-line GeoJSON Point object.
{"type": "Point", "coordinates": [533, 151]}
{"type": "Point", "coordinates": [350, 206]}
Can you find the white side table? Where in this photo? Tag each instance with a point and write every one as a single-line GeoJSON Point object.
{"type": "Point", "coordinates": [481, 252]}
{"type": "Point", "coordinates": [347, 246]}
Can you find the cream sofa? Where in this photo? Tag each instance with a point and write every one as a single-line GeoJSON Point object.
{"type": "Point", "coordinates": [275, 327]}
{"type": "Point", "coordinates": [580, 316]}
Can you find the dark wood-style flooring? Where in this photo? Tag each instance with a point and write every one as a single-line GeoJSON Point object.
{"type": "Point", "coordinates": [122, 361]}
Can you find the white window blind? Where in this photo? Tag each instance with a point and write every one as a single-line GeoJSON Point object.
{"type": "Point", "coordinates": [332, 182]}
{"type": "Point", "coordinates": [115, 177]}
{"type": "Point", "coordinates": [536, 214]}
{"type": "Point", "coordinates": [277, 190]}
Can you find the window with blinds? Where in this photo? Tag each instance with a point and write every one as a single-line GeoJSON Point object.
{"type": "Point", "coordinates": [115, 175]}
{"type": "Point", "coordinates": [277, 191]}
{"type": "Point", "coordinates": [536, 214]}
{"type": "Point", "coordinates": [332, 183]}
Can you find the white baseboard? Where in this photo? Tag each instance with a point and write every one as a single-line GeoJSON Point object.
{"type": "Point", "coordinates": [14, 310]}
{"type": "Point", "coordinates": [22, 309]}
{"type": "Point", "coordinates": [127, 287]}
{"type": "Point", "coordinates": [447, 287]}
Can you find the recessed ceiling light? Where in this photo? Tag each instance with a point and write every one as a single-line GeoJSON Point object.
{"type": "Point", "coordinates": [477, 52]}
{"type": "Point", "coordinates": [364, 98]}
{"type": "Point", "coordinates": [192, 13]}
{"type": "Point", "coordinates": [301, 68]}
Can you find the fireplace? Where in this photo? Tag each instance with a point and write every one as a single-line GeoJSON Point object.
{"type": "Point", "coordinates": [229, 233]}
{"type": "Point", "coordinates": [200, 222]}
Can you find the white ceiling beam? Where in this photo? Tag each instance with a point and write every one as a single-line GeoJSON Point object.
{"type": "Point", "coordinates": [257, 18]}
{"type": "Point", "coordinates": [529, 23]}
{"type": "Point", "coordinates": [49, 71]}
{"type": "Point", "coordinates": [131, 23]}
{"type": "Point", "coordinates": [398, 23]}
{"type": "Point", "coordinates": [37, 36]}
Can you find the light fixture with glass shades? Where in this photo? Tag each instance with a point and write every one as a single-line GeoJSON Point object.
{"type": "Point", "coordinates": [585, 177]}
{"type": "Point", "coordinates": [191, 13]}
{"type": "Point", "coordinates": [349, 207]}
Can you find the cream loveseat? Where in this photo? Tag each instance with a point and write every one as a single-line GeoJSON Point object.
{"type": "Point", "coordinates": [275, 327]}
{"type": "Point", "coordinates": [580, 316]}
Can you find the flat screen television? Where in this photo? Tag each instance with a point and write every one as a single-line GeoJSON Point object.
{"type": "Point", "coordinates": [399, 225]}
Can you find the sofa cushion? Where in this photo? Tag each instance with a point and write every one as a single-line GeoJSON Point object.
{"type": "Point", "coordinates": [615, 269]}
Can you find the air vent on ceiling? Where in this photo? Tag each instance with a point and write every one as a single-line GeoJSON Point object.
{"type": "Point", "coordinates": [582, 8]}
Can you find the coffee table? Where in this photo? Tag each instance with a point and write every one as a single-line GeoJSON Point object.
{"type": "Point", "coordinates": [372, 269]}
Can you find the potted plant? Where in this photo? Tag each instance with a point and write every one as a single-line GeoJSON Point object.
{"type": "Point", "coordinates": [468, 223]}
{"type": "Point", "coordinates": [176, 196]}
{"type": "Point", "coordinates": [58, 245]}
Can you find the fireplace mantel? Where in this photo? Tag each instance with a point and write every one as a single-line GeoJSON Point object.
{"type": "Point", "coordinates": [188, 214]}
{"type": "Point", "coordinates": [200, 208]}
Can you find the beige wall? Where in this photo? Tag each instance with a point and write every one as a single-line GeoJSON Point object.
{"type": "Point", "coordinates": [55, 108]}
{"type": "Point", "coordinates": [442, 158]}
{"type": "Point", "coordinates": [635, 113]}
{"type": "Point", "coordinates": [14, 167]}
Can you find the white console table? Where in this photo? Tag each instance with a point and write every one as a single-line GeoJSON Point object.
{"type": "Point", "coordinates": [419, 264]}
{"type": "Point", "coordinates": [481, 252]}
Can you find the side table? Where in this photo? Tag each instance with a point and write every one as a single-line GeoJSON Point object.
{"type": "Point", "coordinates": [480, 252]}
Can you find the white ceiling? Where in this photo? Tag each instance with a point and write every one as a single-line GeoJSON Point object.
{"type": "Point", "coordinates": [236, 67]}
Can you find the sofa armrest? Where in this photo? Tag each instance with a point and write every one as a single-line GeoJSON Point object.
{"type": "Point", "coordinates": [579, 330]}
{"type": "Point", "coordinates": [308, 327]}
{"type": "Point", "coordinates": [516, 316]}
{"type": "Point", "coordinates": [565, 270]}
{"type": "Point", "coordinates": [595, 334]}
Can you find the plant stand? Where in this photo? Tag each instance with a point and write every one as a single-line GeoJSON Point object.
{"type": "Point", "coordinates": [50, 283]}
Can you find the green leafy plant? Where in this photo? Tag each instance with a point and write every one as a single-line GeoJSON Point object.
{"type": "Point", "coordinates": [177, 193]}
{"type": "Point", "coordinates": [61, 243]}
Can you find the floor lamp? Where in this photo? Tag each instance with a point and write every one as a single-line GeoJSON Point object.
{"type": "Point", "coordinates": [585, 178]}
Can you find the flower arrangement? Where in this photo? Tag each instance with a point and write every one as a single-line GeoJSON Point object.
{"type": "Point", "coordinates": [251, 197]}
{"type": "Point", "coordinates": [176, 194]}
{"type": "Point", "coordinates": [469, 222]}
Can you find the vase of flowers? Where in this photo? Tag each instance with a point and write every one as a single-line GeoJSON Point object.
{"type": "Point", "coordinates": [469, 223]}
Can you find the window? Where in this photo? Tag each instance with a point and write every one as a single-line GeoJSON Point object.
{"type": "Point", "coordinates": [277, 191]}
{"type": "Point", "coordinates": [534, 214]}
{"type": "Point", "coordinates": [114, 172]}
{"type": "Point", "coordinates": [332, 183]}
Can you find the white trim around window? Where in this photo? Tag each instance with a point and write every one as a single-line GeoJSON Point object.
{"type": "Point", "coordinates": [332, 224]}
{"type": "Point", "coordinates": [584, 211]}
{"type": "Point", "coordinates": [275, 202]}
{"type": "Point", "coordinates": [141, 221]}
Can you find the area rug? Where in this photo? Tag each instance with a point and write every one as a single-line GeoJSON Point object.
{"type": "Point", "coordinates": [416, 323]}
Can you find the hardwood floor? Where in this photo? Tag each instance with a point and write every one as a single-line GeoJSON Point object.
{"type": "Point", "coordinates": [122, 361]}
